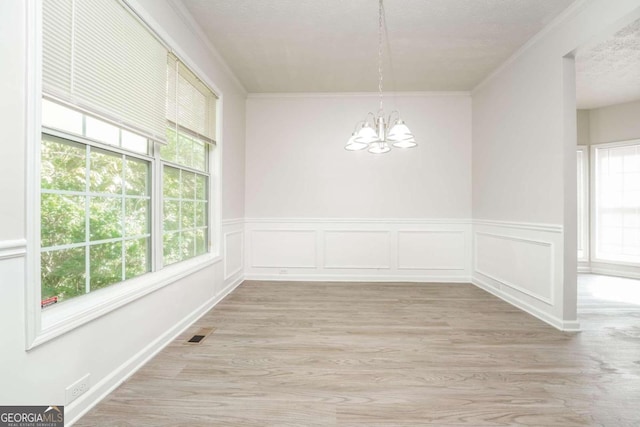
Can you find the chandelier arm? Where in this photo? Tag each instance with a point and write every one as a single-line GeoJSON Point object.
{"type": "Point", "coordinates": [392, 122]}
{"type": "Point", "coordinates": [373, 116]}
{"type": "Point", "coordinates": [355, 128]}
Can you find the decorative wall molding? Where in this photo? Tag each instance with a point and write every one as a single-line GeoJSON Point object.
{"type": "Point", "coordinates": [551, 228]}
{"type": "Point", "coordinates": [496, 276]}
{"type": "Point", "coordinates": [232, 221]}
{"type": "Point", "coordinates": [528, 274]}
{"type": "Point", "coordinates": [544, 315]}
{"type": "Point", "coordinates": [426, 94]}
{"type": "Point", "coordinates": [377, 277]}
{"type": "Point", "coordinates": [348, 245]}
{"type": "Point", "coordinates": [436, 252]}
{"type": "Point", "coordinates": [282, 248]}
{"type": "Point", "coordinates": [233, 253]}
{"type": "Point", "coordinates": [353, 249]}
{"type": "Point", "coordinates": [520, 263]}
{"type": "Point", "coordinates": [13, 248]}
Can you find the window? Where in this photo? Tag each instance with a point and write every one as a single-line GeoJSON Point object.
{"type": "Point", "coordinates": [94, 218]}
{"type": "Point", "coordinates": [185, 171]}
{"type": "Point", "coordinates": [583, 203]}
{"type": "Point", "coordinates": [185, 203]}
{"type": "Point", "coordinates": [617, 202]}
{"type": "Point", "coordinates": [127, 134]}
{"type": "Point", "coordinates": [94, 204]}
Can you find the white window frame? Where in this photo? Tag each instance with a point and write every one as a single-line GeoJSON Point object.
{"type": "Point", "coordinates": [593, 211]}
{"type": "Point", "coordinates": [90, 145]}
{"type": "Point", "coordinates": [43, 326]}
{"type": "Point", "coordinates": [186, 169]}
{"type": "Point", "coordinates": [585, 206]}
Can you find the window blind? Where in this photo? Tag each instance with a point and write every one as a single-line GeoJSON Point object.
{"type": "Point", "coordinates": [100, 57]}
{"type": "Point", "coordinates": [191, 105]}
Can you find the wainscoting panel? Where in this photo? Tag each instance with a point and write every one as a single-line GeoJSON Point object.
{"type": "Point", "coordinates": [12, 248]}
{"type": "Point", "coordinates": [283, 248]}
{"type": "Point", "coordinates": [431, 250]}
{"type": "Point", "coordinates": [522, 264]}
{"type": "Point", "coordinates": [354, 249]}
{"type": "Point", "coordinates": [416, 250]}
{"type": "Point", "coordinates": [233, 253]}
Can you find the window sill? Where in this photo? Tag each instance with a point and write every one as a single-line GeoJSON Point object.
{"type": "Point", "coordinates": [58, 320]}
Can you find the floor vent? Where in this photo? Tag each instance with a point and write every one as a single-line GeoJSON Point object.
{"type": "Point", "coordinates": [200, 335]}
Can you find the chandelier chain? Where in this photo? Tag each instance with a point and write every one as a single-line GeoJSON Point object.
{"type": "Point", "coordinates": [380, 27]}
{"type": "Point", "coordinates": [378, 135]}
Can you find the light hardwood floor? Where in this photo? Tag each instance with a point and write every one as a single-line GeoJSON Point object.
{"type": "Point", "coordinates": [395, 354]}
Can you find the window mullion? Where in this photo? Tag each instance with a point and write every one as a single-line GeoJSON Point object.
{"type": "Point", "coordinates": [157, 206]}
{"type": "Point", "coordinates": [87, 219]}
{"type": "Point", "coordinates": [123, 219]}
{"type": "Point", "coordinates": [180, 214]}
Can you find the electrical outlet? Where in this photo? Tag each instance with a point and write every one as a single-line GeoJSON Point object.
{"type": "Point", "coordinates": [77, 389]}
{"type": "Point", "coordinates": [283, 271]}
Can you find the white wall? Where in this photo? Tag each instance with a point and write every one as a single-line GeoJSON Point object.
{"type": "Point", "coordinates": [524, 136]}
{"type": "Point", "coordinates": [297, 166]}
{"type": "Point", "coordinates": [318, 212]}
{"type": "Point", "coordinates": [12, 88]}
{"type": "Point", "coordinates": [110, 347]}
{"type": "Point", "coordinates": [582, 121]}
{"type": "Point", "coordinates": [613, 123]}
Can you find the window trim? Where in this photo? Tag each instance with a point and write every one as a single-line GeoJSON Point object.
{"type": "Point", "coordinates": [43, 327]}
{"type": "Point", "coordinates": [586, 203]}
{"type": "Point", "coordinates": [593, 202]}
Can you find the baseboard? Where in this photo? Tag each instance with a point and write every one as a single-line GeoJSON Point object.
{"type": "Point", "coordinates": [102, 389]}
{"type": "Point", "coordinates": [356, 278]}
{"type": "Point", "coordinates": [232, 283]}
{"type": "Point", "coordinates": [563, 325]}
{"type": "Point", "coordinates": [614, 272]}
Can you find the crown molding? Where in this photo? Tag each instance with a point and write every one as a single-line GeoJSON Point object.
{"type": "Point", "coordinates": [358, 220]}
{"type": "Point", "coordinates": [417, 94]}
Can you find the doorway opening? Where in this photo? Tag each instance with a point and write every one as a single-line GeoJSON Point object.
{"type": "Point", "coordinates": [608, 173]}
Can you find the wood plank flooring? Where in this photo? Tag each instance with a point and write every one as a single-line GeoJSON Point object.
{"type": "Point", "coordinates": [392, 354]}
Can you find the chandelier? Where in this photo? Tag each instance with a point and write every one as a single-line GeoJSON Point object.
{"type": "Point", "coordinates": [376, 133]}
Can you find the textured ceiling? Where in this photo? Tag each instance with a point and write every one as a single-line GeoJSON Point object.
{"type": "Point", "coordinates": [609, 73]}
{"type": "Point", "coordinates": [331, 45]}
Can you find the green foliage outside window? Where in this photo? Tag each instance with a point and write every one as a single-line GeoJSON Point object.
{"type": "Point", "coordinates": [96, 212]}
{"type": "Point", "coordinates": [95, 218]}
{"type": "Point", "coordinates": [184, 194]}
